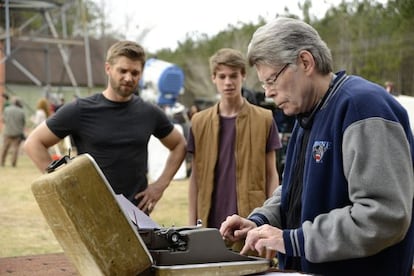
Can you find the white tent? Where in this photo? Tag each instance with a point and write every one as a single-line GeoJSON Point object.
{"type": "Point", "coordinates": [157, 157]}
{"type": "Point", "coordinates": [408, 103]}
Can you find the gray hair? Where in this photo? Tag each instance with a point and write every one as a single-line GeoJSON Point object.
{"type": "Point", "coordinates": [280, 41]}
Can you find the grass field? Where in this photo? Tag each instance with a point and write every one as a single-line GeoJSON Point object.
{"type": "Point", "coordinates": [30, 94]}
{"type": "Point", "coordinates": [23, 229]}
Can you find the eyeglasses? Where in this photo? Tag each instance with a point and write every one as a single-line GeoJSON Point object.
{"type": "Point", "coordinates": [270, 82]}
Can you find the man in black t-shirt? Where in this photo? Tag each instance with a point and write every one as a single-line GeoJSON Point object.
{"type": "Point", "coordinates": [114, 127]}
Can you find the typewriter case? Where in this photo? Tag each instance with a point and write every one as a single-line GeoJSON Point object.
{"type": "Point", "coordinates": [99, 238]}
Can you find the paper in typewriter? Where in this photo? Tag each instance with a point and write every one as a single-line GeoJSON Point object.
{"type": "Point", "coordinates": [137, 216]}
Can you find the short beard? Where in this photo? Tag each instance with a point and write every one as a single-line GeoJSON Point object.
{"type": "Point", "coordinates": [119, 91]}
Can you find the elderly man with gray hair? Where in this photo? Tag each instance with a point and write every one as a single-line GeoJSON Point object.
{"type": "Point", "coordinates": [346, 199]}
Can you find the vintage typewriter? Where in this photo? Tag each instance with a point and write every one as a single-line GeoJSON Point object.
{"type": "Point", "coordinates": [101, 234]}
{"type": "Point", "coordinates": [203, 248]}
{"type": "Point", "coordinates": [188, 245]}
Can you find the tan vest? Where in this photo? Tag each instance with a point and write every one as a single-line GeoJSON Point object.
{"type": "Point", "coordinates": [253, 126]}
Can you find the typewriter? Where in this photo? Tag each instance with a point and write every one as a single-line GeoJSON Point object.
{"type": "Point", "coordinates": [188, 245]}
{"type": "Point", "coordinates": [170, 246]}
{"type": "Point", "coordinates": [103, 233]}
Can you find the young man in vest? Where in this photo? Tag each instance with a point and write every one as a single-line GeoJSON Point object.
{"type": "Point", "coordinates": [233, 145]}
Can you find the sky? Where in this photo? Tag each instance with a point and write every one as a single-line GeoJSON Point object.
{"type": "Point", "coordinates": [171, 21]}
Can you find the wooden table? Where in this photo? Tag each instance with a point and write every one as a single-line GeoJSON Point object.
{"type": "Point", "coordinates": [55, 264]}
{"type": "Point", "coordinates": [38, 265]}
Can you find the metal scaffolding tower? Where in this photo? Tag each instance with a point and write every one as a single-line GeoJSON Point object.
{"type": "Point", "coordinates": [53, 30]}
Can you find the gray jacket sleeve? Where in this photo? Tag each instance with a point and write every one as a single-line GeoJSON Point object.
{"type": "Point", "coordinates": [379, 170]}
{"type": "Point", "coordinates": [271, 208]}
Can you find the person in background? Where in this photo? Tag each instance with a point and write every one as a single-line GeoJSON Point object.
{"type": "Point", "coordinates": [6, 101]}
{"type": "Point", "coordinates": [192, 110]}
{"type": "Point", "coordinates": [346, 199]}
{"type": "Point", "coordinates": [114, 127]}
{"type": "Point", "coordinates": [60, 103]}
{"type": "Point", "coordinates": [233, 147]}
{"type": "Point", "coordinates": [249, 95]}
{"type": "Point", "coordinates": [14, 120]}
{"type": "Point", "coordinates": [390, 87]}
{"type": "Point", "coordinates": [43, 111]}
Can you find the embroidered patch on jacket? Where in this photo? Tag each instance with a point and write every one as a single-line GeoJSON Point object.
{"type": "Point", "coordinates": [318, 150]}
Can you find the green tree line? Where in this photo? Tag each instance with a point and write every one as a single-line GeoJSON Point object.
{"type": "Point", "coordinates": [367, 38]}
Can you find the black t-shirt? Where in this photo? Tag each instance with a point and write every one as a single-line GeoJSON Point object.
{"type": "Point", "coordinates": [115, 134]}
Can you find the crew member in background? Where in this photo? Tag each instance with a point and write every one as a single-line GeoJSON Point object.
{"type": "Point", "coordinates": [43, 111]}
{"type": "Point", "coordinates": [14, 121]}
{"type": "Point", "coordinates": [390, 87]}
